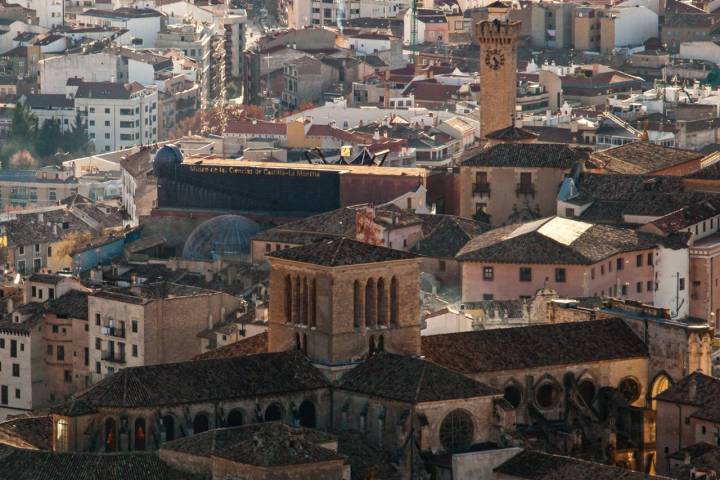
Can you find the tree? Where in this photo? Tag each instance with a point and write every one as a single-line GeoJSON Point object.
{"type": "Point", "coordinates": [254, 111]}
{"type": "Point", "coordinates": [76, 140]}
{"type": "Point", "coordinates": [49, 139]}
{"type": "Point", "coordinates": [22, 133]}
{"type": "Point", "coordinates": [210, 121]}
{"type": "Point", "coordinates": [24, 124]}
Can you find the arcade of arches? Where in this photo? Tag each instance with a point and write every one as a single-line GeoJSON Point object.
{"type": "Point", "coordinates": [118, 436]}
{"type": "Point", "coordinates": [301, 300]}
{"type": "Point", "coordinates": [375, 302]}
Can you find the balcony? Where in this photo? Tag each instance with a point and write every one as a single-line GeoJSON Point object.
{"type": "Point", "coordinates": [112, 356]}
{"type": "Point", "coordinates": [481, 189]}
{"type": "Point", "coordinates": [110, 331]}
{"type": "Point", "coordinates": [525, 189]}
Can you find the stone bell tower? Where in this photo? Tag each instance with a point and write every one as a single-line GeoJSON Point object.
{"type": "Point", "coordinates": [498, 38]}
{"type": "Point", "coordinates": [339, 301]}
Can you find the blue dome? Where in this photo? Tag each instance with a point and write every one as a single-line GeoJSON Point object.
{"type": "Point", "coordinates": [167, 156]}
{"type": "Point", "coordinates": [226, 235]}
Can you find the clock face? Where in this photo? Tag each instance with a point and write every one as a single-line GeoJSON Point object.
{"type": "Point", "coordinates": [494, 58]}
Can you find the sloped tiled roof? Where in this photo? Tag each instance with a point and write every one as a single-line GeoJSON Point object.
{"type": "Point", "coordinates": [32, 432]}
{"type": "Point", "coordinates": [338, 252]}
{"type": "Point", "coordinates": [205, 380]}
{"type": "Point", "coordinates": [688, 216]}
{"type": "Point", "coordinates": [21, 464]}
{"type": "Point", "coordinates": [271, 444]}
{"type": "Point", "coordinates": [706, 390]}
{"type": "Point", "coordinates": [247, 346]}
{"type": "Point", "coordinates": [538, 465]}
{"type": "Point", "coordinates": [640, 158]}
{"type": "Point", "coordinates": [107, 90]}
{"type": "Point", "coordinates": [411, 380]}
{"type": "Point", "coordinates": [524, 155]}
{"type": "Point", "coordinates": [557, 240]}
{"type": "Point", "coordinates": [534, 346]}
{"type": "Point", "coordinates": [512, 134]}
{"type": "Point", "coordinates": [74, 304]}
{"type": "Point", "coordinates": [255, 127]}
{"type": "Point", "coordinates": [445, 235]}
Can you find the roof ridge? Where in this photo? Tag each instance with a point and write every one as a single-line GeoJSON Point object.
{"type": "Point", "coordinates": [125, 375]}
{"type": "Point", "coordinates": [420, 381]}
{"type": "Point", "coordinates": [337, 250]}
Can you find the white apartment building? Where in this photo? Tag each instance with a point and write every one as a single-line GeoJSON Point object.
{"type": "Point", "coordinates": [54, 72]}
{"type": "Point", "coordinates": [118, 115]}
{"type": "Point", "coordinates": [143, 24]}
{"type": "Point", "coordinates": [301, 13]}
{"type": "Point", "coordinates": [49, 12]}
{"type": "Point", "coordinates": [228, 21]}
{"type": "Point", "coordinates": [195, 42]}
{"type": "Point", "coordinates": [52, 107]}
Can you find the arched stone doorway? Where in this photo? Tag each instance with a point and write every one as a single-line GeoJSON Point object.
{"type": "Point", "coordinates": [110, 435]}
{"type": "Point", "coordinates": [201, 423]}
{"type": "Point", "coordinates": [273, 413]}
{"type": "Point", "coordinates": [139, 434]}
{"type": "Point", "coordinates": [168, 422]}
{"type": "Point", "coordinates": [235, 418]}
{"type": "Point", "coordinates": [307, 414]}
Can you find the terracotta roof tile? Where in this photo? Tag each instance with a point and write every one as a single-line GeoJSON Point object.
{"type": "Point", "coordinates": [534, 346]}
{"type": "Point", "coordinates": [20, 464]}
{"type": "Point", "coordinates": [205, 380]}
{"type": "Point", "coordinates": [411, 380]}
{"type": "Point", "coordinates": [514, 155]}
{"type": "Point", "coordinates": [271, 444]}
{"type": "Point", "coordinates": [247, 346]}
{"type": "Point", "coordinates": [557, 240]}
{"type": "Point", "coordinates": [641, 158]}
{"type": "Point", "coordinates": [338, 252]}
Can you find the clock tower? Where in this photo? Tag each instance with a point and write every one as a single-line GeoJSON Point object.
{"type": "Point", "coordinates": [498, 38]}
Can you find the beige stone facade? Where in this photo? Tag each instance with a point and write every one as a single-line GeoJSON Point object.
{"type": "Point", "coordinates": [147, 326]}
{"type": "Point", "coordinates": [493, 190]}
{"type": "Point", "coordinates": [338, 315]}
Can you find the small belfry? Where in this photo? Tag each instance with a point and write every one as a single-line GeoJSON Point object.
{"type": "Point", "coordinates": [498, 38]}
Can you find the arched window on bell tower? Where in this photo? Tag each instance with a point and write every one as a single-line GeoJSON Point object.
{"type": "Point", "coordinates": [288, 299]}
{"type": "Point", "coordinates": [305, 302]}
{"type": "Point", "coordinates": [297, 300]}
{"type": "Point", "coordinates": [394, 298]}
{"type": "Point", "coordinates": [370, 304]}
{"type": "Point", "coordinates": [313, 303]}
{"type": "Point", "coordinates": [357, 305]}
{"type": "Point", "coordinates": [382, 313]}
